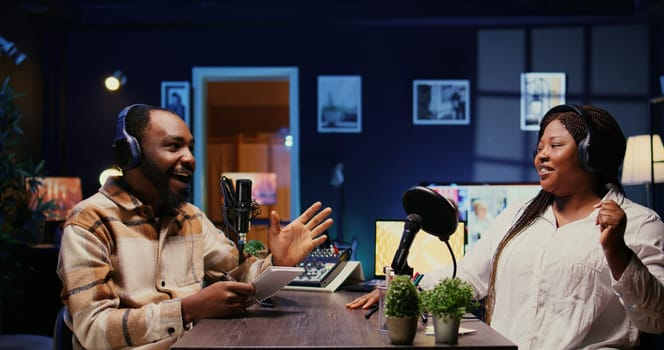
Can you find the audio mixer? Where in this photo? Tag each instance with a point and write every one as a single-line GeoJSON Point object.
{"type": "Point", "coordinates": [321, 266]}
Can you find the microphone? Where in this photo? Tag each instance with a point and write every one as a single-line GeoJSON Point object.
{"type": "Point", "coordinates": [438, 216]}
{"type": "Point", "coordinates": [243, 207]}
{"type": "Point", "coordinates": [238, 211]}
{"type": "Point", "coordinates": [400, 263]}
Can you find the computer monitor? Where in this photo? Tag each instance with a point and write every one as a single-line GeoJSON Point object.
{"type": "Point", "coordinates": [479, 204]}
{"type": "Point", "coordinates": [65, 192]}
{"type": "Point", "coordinates": [427, 253]}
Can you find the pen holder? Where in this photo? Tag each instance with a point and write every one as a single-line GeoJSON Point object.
{"type": "Point", "coordinates": [382, 320]}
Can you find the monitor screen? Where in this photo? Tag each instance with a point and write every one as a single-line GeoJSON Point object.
{"type": "Point", "coordinates": [65, 192]}
{"type": "Point", "coordinates": [427, 253]}
{"type": "Point", "coordinates": [263, 185]}
{"type": "Point", "coordinates": [479, 204]}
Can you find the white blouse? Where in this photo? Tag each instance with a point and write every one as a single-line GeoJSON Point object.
{"type": "Point", "coordinates": [554, 289]}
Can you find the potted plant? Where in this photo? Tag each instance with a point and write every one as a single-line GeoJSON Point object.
{"type": "Point", "coordinates": [22, 208]}
{"type": "Point", "coordinates": [402, 309]}
{"type": "Point", "coordinates": [447, 302]}
{"type": "Point", "coordinates": [255, 248]}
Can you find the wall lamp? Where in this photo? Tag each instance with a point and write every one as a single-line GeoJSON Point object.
{"type": "Point", "coordinates": [108, 173]}
{"type": "Point", "coordinates": [9, 49]}
{"type": "Point", "coordinates": [115, 81]}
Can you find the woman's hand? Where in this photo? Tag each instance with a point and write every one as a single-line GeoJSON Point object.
{"type": "Point", "coordinates": [366, 301]}
{"type": "Point", "coordinates": [612, 222]}
{"type": "Point", "coordinates": [291, 244]}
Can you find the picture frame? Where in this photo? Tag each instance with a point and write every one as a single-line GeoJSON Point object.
{"type": "Point", "coordinates": [175, 98]}
{"type": "Point", "coordinates": [339, 104]}
{"type": "Point", "coordinates": [441, 102]}
{"type": "Point", "coordinates": [539, 93]}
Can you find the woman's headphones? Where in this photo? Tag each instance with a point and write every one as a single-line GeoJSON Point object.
{"type": "Point", "coordinates": [583, 147]}
{"type": "Point", "coordinates": [126, 148]}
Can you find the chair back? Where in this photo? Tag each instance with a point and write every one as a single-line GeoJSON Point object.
{"type": "Point", "coordinates": [62, 335]}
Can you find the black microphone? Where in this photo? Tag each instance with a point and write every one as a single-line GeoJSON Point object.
{"type": "Point", "coordinates": [243, 208]}
{"type": "Point", "coordinates": [438, 214]}
{"type": "Point", "coordinates": [400, 262]}
{"type": "Point", "coordinates": [238, 210]}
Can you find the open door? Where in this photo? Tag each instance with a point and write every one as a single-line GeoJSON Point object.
{"type": "Point", "coordinates": [237, 118]}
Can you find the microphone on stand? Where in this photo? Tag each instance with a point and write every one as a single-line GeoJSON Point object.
{"type": "Point", "coordinates": [243, 207]}
{"type": "Point", "coordinates": [400, 262]}
{"type": "Point", "coordinates": [437, 216]}
{"type": "Point", "coordinates": [238, 211]}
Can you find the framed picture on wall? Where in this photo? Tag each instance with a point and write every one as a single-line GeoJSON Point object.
{"type": "Point", "coordinates": [175, 98]}
{"type": "Point", "coordinates": [441, 102]}
{"type": "Point", "coordinates": [340, 103]}
{"type": "Point", "coordinates": [540, 92]}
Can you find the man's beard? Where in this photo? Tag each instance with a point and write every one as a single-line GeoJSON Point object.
{"type": "Point", "coordinates": [172, 200]}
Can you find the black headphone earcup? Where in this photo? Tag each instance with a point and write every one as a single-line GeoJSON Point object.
{"type": "Point", "coordinates": [126, 148]}
{"type": "Point", "coordinates": [122, 153]}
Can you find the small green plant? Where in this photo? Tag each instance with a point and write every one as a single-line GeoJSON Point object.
{"type": "Point", "coordinates": [450, 299]}
{"type": "Point", "coordinates": [402, 298]}
{"type": "Point", "coordinates": [254, 248]}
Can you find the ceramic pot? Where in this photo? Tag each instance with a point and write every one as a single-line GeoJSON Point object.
{"type": "Point", "coordinates": [446, 331]}
{"type": "Point", "coordinates": [402, 330]}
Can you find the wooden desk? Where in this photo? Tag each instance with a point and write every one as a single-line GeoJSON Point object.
{"type": "Point", "coordinates": [305, 320]}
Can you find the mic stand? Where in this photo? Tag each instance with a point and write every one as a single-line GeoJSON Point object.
{"type": "Point", "coordinates": [407, 270]}
{"type": "Point", "coordinates": [454, 263]}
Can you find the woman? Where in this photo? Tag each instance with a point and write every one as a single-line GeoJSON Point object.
{"type": "Point", "coordinates": [579, 265]}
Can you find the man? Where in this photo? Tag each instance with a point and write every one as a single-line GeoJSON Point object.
{"type": "Point", "coordinates": [136, 256]}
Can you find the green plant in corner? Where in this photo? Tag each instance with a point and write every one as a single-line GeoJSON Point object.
{"type": "Point", "coordinates": [402, 298]}
{"type": "Point", "coordinates": [23, 210]}
{"type": "Point", "coordinates": [449, 300]}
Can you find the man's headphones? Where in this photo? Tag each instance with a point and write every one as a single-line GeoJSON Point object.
{"type": "Point", "coordinates": [126, 148]}
{"type": "Point", "coordinates": [583, 147]}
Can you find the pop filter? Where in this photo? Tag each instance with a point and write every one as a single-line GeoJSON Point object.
{"type": "Point", "coordinates": [439, 216]}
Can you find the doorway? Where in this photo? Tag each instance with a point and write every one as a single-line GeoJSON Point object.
{"type": "Point", "coordinates": [208, 127]}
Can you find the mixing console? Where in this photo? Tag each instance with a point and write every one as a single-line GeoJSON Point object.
{"type": "Point", "coordinates": [321, 266]}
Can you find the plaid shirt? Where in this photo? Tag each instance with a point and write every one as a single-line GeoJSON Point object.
{"type": "Point", "coordinates": [124, 270]}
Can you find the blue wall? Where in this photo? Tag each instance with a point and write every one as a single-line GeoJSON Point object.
{"type": "Point", "coordinates": [608, 65]}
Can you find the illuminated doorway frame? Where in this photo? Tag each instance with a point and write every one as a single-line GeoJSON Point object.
{"type": "Point", "coordinates": [200, 77]}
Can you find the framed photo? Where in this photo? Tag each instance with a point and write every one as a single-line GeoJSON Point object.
{"type": "Point", "coordinates": [340, 103]}
{"type": "Point", "coordinates": [540, 92]}
{"type": "Point", "coordinates": [441, 102]}
{"type": "Point", "coordinates": [175, 98]}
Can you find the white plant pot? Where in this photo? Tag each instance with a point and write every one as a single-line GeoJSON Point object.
{"type": "Point", "coordinates": [446, 331]}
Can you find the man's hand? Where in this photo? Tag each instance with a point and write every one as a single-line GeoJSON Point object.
{"type": "Point", "coordinates": [220, 299]}
{"type": "Point", "coordinates": [291, 244]}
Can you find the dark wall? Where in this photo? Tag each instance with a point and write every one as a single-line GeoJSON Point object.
{"type": "Point", "coordinates": [390, 154]}
{"type": "Point", "coordinates": [380, 163]}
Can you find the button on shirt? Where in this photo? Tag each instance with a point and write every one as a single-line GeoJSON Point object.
{"type": "Point", "coordinates": [124, 271]}
{"type": "Point", "coordinates": [554, 289]}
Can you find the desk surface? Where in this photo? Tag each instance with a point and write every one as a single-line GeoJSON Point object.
{"type": "Point", "coordinates": [305, 320]}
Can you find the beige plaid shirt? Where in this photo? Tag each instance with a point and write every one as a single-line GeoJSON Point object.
{"type": "Point", "coordinates": [124, 270]}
